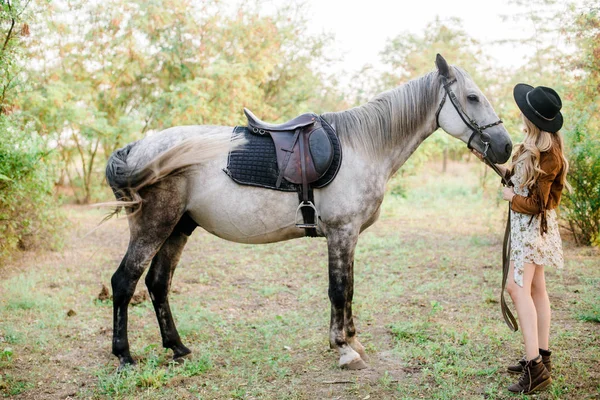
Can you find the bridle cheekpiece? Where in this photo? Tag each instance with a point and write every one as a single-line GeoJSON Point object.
{"type": "Point", "coordinates": [471, 124]}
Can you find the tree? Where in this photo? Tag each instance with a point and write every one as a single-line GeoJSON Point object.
{"type": "Point", "coordinates": [112, 71]}
{"type": "Point", "coordinates": [27, 207]}
{"type": "Point", "coordinates": [409, 56]}
{"type": "Point", "coordinates": [582, 205]}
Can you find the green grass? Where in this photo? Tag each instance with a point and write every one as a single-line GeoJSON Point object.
{"type": "Point", "coordinates": [427, 279]}
{"type": "Point", "coordinates": [152, 375]}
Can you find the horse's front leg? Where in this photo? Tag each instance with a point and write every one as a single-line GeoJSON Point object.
{"type": "Point", "coordinates": [342, 334]}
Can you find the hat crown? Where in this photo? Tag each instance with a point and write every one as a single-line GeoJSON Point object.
{"type": "Point", "coordinates": [545, 102]}
{"type": "Point", "coordinates": [541, 105]}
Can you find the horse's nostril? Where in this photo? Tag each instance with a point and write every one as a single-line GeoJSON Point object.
{"type": "Point", "coordinates": [508, 148]}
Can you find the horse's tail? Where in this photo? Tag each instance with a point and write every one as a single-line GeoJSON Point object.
{"type": "Point", "coordinates": [126, 180]}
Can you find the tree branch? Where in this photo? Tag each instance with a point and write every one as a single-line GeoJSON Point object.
{"type": "Point", "coordinates": [12, 25]}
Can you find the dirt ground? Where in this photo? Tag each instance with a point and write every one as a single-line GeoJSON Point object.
{"type": "Point", "coordinates": [256, 317]}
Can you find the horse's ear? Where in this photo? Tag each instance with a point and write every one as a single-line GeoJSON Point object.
{"type": "Point", "coordinates": [442, 66]}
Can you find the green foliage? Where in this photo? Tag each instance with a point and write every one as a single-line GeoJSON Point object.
{"type": "Point", "coordinates": [117, 70]}
{"type": "Point", "coordinates": [409, 56]}
{"type": "Point", "coordinates": [7, 354]}
{"type": "Point", "coordinates": [583, 134]}
{"type": "Point", "coordinates": [151, 374]}
{"type": "Point", "coordinates": [12, 386]}
{"type": "Point", "coordinates": [28, 215]}
{"type": "Point", "coordinates": [582, 205]}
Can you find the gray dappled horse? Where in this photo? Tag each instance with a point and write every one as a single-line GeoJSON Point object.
{"type": "Point", "coordinates": [177, 175]}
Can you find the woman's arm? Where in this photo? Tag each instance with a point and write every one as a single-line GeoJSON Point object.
{"type": "Point", "coordinates": [550, 164]}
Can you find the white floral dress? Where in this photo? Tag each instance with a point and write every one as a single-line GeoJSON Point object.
{"type": "Point", "coordinates": [528, 245]}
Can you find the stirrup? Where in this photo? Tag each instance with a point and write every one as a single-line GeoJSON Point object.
{"type": "Point", "coordinates": [304, 225]}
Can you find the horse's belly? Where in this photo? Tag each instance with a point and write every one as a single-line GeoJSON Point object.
{"type": "Point", "coordinates": [242, 214]}
{"type": "Point", "coordinates": [241, 232]}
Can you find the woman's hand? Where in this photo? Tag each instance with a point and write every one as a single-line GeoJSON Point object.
{"type": "Point", "coordinates": [477, 154]}
{"type": "Point", "coordinates": [508, 193]}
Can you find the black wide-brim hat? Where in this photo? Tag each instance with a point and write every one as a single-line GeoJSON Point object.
{"type": "Point", "coordinates": [541, 105]}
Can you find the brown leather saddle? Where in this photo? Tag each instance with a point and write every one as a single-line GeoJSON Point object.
{"type": "Point", "coordinates": [304, 154]}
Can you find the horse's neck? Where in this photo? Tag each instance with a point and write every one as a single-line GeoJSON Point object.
{"type": "Point", "coordinates": [400, 154]}
{"type": "Point", "coordinates": [388, 129]}
{"type": "Point", "coordinates": [389, 158]}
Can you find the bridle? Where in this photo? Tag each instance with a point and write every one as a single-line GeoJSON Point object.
{"type": "Point", "coordinates": [471, 124]}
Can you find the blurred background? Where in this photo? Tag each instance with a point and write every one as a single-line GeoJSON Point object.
{"type": "Point", "coordinates": [80, 78]}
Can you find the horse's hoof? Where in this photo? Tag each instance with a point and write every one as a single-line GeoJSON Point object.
{"type": "Point", "coordinates": [181, 352]}
{"type": "Point", "coordinates": [355, 364]}
{"type": "Point", "coordinates": [361, 352]}
{"type": "Point", "coordinates": [363, 356]}
{"type": "Point", "coordinates": [359, 348]}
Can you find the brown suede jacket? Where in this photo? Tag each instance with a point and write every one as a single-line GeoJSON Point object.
{"type": "Point", "coordinates": [549, 186]}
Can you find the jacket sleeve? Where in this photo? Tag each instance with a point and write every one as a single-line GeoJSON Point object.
{"type": "Point", "coordinates": [550, 164]}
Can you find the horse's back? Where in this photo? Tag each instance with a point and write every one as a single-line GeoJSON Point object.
{"type": "Point", "coordinates": [154, 144]}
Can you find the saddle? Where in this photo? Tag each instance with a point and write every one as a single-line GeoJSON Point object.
{"type": "Point", "coordinates": [304, 154]}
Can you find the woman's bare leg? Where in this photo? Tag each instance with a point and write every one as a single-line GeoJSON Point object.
{"type": "Point", "coordinates": [542, 306]}
{"type": "Point", "coordinates": [526, 311]}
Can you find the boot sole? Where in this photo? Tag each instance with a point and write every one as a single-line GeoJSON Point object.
{"type": "Point", "coordinates": [541, 386]}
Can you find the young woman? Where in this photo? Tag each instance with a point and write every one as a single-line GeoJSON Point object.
{"type": "Point", "coordinates": [538, 173]}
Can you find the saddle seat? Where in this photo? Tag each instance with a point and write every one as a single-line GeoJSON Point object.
{"type": "Point", "coordinates": [299, 122]}
{"type": "Point", "coordinates": [303, 148]}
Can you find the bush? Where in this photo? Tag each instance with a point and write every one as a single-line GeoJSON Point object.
{"type": "Point", "coordinates": [28, 212]}
{"type": "Point", "coordinates": [582, 205]}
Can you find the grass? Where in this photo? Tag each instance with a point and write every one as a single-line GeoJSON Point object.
{"type": "Point", "coordinates": [256, 317]}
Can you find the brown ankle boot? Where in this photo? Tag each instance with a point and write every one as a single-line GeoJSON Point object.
{"type": "Point", "coordinates": [535, 377]}
{"type": "Point", "coordinates": [518, 369]}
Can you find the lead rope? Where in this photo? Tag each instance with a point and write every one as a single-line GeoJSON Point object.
{"type": "Point", "coordinates": [509, 318]}
{"type": "Point", "coordinates": [506, 313]}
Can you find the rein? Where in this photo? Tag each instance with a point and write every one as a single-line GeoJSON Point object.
{"type": "Point", "coordinates": [485, 139]}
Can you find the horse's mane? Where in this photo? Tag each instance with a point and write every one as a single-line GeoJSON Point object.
{"type": "Point", "coordinates": [391, 116]}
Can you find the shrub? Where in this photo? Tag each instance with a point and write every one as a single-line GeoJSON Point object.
{"type": "Point", "coordinates": [582, 205]}
{"type": "Point", "coordinates": [28, 213]}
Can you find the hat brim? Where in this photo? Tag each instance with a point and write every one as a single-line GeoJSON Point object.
{"type": "Point", "coordinates": [520, 94]}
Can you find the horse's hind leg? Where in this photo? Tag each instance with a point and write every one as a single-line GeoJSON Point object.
{"type": "Point", "coordinates": [124, 281]}
{"type": "Point", "coordinates": [158, 281]}
{"type": "Point", "coordinates": [150, 228]}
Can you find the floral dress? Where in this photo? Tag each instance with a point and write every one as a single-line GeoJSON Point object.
{"type": "Point", "coordinates": [528, 245]}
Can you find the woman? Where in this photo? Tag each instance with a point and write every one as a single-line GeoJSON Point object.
{"type": "Point", "coordinates": [538, 173]}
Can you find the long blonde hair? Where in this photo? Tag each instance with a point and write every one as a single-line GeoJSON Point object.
{"type": "Point", "coordinates": [537, 141]}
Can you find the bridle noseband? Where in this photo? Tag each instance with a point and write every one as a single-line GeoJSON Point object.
{"type": "Point", "coordinates": [471, 124]}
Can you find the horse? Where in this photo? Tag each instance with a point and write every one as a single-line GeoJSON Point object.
{"type": "Point", "coordinates": [173, 181]}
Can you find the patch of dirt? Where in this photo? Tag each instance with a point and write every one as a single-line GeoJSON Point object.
{"type": "Point", "coordinates": [104, 294]}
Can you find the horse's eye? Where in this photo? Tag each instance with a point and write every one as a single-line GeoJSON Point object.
{"type": "Point", "coordinates": [473, 98]}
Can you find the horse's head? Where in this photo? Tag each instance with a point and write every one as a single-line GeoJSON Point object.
{"type": "Point", "coordinates": [466, 114]}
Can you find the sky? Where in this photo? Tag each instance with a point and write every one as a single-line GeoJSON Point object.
{"type": "Point", "coordinates": [361, 28]}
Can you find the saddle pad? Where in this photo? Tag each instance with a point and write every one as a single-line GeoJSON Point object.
{"type": "Point", "coordinates": [255, 163]}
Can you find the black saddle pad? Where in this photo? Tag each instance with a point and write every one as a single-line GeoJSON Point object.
{"type": "Point", "coordinates": [255, 163]}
